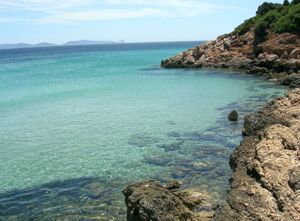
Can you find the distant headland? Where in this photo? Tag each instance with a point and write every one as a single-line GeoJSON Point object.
{"type": "Point", "coordinates": [46, 44]}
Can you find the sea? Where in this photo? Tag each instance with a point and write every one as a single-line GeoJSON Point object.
{"type": "Point", "coordinates": [80, 123]}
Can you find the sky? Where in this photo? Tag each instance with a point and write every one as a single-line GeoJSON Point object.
{"type": "Point", "coordinates": [58, 21]}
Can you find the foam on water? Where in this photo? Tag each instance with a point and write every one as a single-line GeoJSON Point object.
{"type": "Point", "coordinates": [78, 124]}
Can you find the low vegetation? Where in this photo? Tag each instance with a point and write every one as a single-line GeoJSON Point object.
{"type": "Point", "coordinates": [277, 18]}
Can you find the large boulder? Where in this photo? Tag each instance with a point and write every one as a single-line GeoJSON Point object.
{"type": "Point", "coordinates": [150, 200]}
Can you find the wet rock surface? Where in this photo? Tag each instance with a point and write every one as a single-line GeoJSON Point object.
{"type": "Point", "coordinates": [279, 57]}
{"type": "Point", "coordinates": [233, 116]}
{"type": "Point", "coordinates": [152, 201]}
{"type": "Point", "coordinates": [265, 184]}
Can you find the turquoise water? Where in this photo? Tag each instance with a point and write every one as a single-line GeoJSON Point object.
{"type": "Point", "coordinates": [78, 124]}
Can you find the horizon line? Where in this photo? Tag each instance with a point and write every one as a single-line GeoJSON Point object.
{"type": "Point", "coordinates": [36, 45]}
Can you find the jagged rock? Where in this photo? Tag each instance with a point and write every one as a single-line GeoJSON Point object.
{"type": "Point", "coordinates": [295, 54]}
{"type": "Point", "coordinates": [294, 181]}
{"type": "Point", "coordinates": [293, 80]}
{"type": "Point", "coordinates": [152, 201]}
{"type": "Point", "coordinates": [257, 70]}
{"type": "Point", "coordinates": [233, 116]}
{"type": "Point", "coordinates": [271, 57]}
{"type": "Point", "coordinates": [189, 61]}
{"type": "Point", "coordinates": [285, 55]}
{"type": "Point", "coordinates": [173, 185]}
{"type": "Point", "coordinates": [266, 180]}
{"type": "Point", "coordinates": [280, 54]}
{"type": "Point", "coordinates": [262, 56]}
{"type": "Point", "coordinates": [227, 44]}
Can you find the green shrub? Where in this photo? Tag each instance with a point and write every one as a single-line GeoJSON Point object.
{"type": "Point", "coordinates": [266, 7]}
{"type": "Point", "coordinates": [260, 34]}
{"type": "Point", "coordinates": [275, 17]}
{"type": "Point", "coordinates": [245, 26]}
{"type": "Point", "coordinates": [269, 18]}
{"type": "Point", "coordinates": [295, 2]}
{"type": "Point", "coordinates": [290, 22]}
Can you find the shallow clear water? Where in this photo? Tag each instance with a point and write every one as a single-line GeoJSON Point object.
{"type": "Point", "coordinates": [78, 124]}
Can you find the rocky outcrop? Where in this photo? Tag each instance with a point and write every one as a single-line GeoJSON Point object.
{"type": "Point", "coordinates": [266, 180]}
{"type": "Point", "coordinates": [153, 201]}
{"type": "Point", "coordinates": [266, 165]}
{"type": "Point", "coordinates": [278, 57]}
{"type": "Point", "coordinates": [265, 183]}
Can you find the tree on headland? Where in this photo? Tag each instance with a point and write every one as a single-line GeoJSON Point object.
{"type": "Point", "coordinates": [260, 34]}
{"type": "Point", "coordinates": [277, 18]}
{"type": "Point", "coordinates": [266, 7]}
{"type": "Point", "coordinates": [286, 2]}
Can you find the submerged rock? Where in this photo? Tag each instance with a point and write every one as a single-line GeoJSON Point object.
{"type": "Point", "coordinates": [142, 140]}
{"type": "Point", "coordinates": [233, 116]}
{"type": "Point", "coordinates": [172, 146]}
{"type": "Point", "coordinates": [158, 159]}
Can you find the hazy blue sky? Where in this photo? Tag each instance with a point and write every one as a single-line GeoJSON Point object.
{"type": "Point", "coordinates": [58, 21]}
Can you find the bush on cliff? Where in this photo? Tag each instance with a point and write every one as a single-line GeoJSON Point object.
{"type": "Point", "coordinates": [295, 2]}
{"type": "Point", "coordinates": [266, 7]}
{"type": "Point", "coordinates": [286, 2]}
{"type": "Point", "coordinates": [245, 27]}
{"type": "Point", "coordinates": [290, 22]}
{"type": "Point", "coordinates": [276, 17]}
{"type": "Point", "coordinates": [260, 34]}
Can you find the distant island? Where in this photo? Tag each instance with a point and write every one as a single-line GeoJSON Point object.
{"type": "Point", "coordinates": [46, 44]}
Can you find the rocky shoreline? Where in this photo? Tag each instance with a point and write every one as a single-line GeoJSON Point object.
{"type": "Point", "coordinates": [265, 184]}
{"type": "Point", "coordinates": [266, 165]}
{"type": "Point", "coordinates": [277, 58]}
{"type": "Point", "coordinates": [266, 180]}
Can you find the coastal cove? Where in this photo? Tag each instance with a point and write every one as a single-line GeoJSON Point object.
{"type": "Point", "coordinates": [79, 124]}
{"type": "Point", "coordinates": [266, 169]}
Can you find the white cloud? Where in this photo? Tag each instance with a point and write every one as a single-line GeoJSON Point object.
{"type": "Point", "coordinates": [73, 17]}
{"type": "Point", "coordinates": [74, 11]}
{"type": "Point", "coordinates": [197, 6]}
{"type": "Point", "coordinates": [40, 3]}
